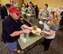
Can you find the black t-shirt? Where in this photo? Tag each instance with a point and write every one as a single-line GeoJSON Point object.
{"type": "Point", "coordinates": [9, 26]}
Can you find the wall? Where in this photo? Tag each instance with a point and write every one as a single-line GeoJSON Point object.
{"type": "Point", "coordinates": [3, 2]}
{"type": "Point", "coordinates": [40, 3]}
{"type": "Point", "coordinates": [19, 2]}
{"type": "Point", "coordinates": [51, 3]}
{"type": "Point", "coordinates": [0, 1]}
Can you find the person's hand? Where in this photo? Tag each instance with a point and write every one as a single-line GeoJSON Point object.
{"type": "Point", "coordinates": [26, 30]}
{"type": "Point", "coordinates": [30, 28]}
{"type": "Point", "coordinates": [42, 31]}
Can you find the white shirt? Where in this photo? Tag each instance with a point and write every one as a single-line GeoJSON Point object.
{"type": "Point", "coordinates": [47, 28]}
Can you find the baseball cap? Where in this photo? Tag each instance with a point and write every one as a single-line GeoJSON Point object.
{"type": "Point", "coordinates": [14, 9]}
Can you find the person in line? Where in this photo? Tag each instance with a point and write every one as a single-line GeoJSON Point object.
{"type": "Point", "coordinates": [4, 11]}
{"type": "Point", "coordinates": [24, 10]}
{"type": "Point", "coordinates": [54, 18]}
{"type": "Point", "coordinates": [44, 13]}
{"type": "Point", "coordinates": [0, 9]}
{"type": "Point", "coordinates": [36, 11]}
{"type": "Point", "coordinates": [11, 29]}
{"type": "Point", "coordinates": [61, 20]}
{"type": "Point", "coordinates": [31, 11]}
{"type": "Point", "coordinates": [48, 33]}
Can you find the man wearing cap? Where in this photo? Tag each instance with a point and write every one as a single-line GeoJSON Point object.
{"type": "Point", "coordinates": [11, 28]}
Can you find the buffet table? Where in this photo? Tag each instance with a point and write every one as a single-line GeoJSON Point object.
{"type": "Point", "coordinates": [30, 42]}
